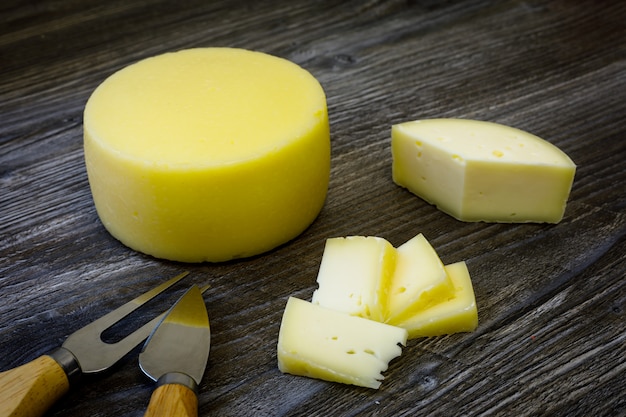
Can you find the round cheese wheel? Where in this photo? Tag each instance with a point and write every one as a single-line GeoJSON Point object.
{"type": "Point", "coordinates": [207, 154]}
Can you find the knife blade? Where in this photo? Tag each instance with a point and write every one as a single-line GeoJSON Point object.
{"type": "Point", "coordinates": [32, 388]}
{"type": "Point", "coordinates": [175, 356]}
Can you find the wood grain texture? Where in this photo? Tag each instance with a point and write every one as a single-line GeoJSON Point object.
{"type": "Point", "coordinates": [30, 389]}
{"type": "Point", "coordinates": [172, 400]}
{"type": "Point", "coordinates": [552, 335]}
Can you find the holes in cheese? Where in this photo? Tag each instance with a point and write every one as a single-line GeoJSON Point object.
{"type": "Point", "coordinates": [407, 287]}
{"type": "Point", "coordinates": [354, 276]}
{"type": "Point", "coordinates": [456, 314]}
{"type": "Point", "coordinates": [419, 280]}
{"type": "Point", "coordinates": [207, 154]}
{"type": "Point", "coordinates": [410, 289]}
{"type": "Point", "coordinates": [321, 343]}
{"type": "Point", "coordinates": [481, 171]}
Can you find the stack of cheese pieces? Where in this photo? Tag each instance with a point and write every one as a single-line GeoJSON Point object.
{"type": "Point", "coordinates": [371, 298]}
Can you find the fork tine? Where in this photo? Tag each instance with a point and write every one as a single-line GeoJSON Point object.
{"type": "Point", "coordinates": [142, 333]}
{"type": "Point", "coordinates": [92, 353]}
{"type": "Point", "coordinates": [119, 313]}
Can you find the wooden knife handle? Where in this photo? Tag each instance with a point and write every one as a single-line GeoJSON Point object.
{"type": "Point", "coordinates": [172, 400]}
{"type": "Point", "coordinates": [29, 390]}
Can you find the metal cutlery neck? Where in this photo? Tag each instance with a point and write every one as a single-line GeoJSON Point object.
{"type": "Point", "coordinates": [68, 362]}
{"type": "Point", "coordinates": [178, 378]}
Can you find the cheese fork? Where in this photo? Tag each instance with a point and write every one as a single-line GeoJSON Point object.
{"type": "Point", "coordinates": [30, 389]}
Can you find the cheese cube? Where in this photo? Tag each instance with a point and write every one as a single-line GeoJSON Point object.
{"type": "Point", "coordinates": [419, 280]}
{"type": "Point", "coordinates": [457, 314]}
{"type": "Point", "coordinates": [207, 154]}
{"type": "Point", "coordinates": [321, 343]}
{"type": "Point", "coordinates": [481, 171]}
{"type": "Point", "coordinates": [354, 276]}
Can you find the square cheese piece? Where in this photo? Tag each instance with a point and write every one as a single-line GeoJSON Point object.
{"type": "Point", "coordinates": [321, 343]}
{"type": "Point", "coordinates": [419, 280]}
{"type": "Point", "coordinates": [482, 171]}
{"type": "Point", "coordinates": [457, 314]}
{"type": "Point", "coordinates": [354, 276]}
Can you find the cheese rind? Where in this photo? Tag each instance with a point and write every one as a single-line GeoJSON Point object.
{"type": "Point", "coordinates": [419, 280]}
{"type": "Point", "coordinates": [482, 171]}
{"type": "Point", "coordinates": [354, 276]}
{"type": "Point", "coordinates": [457, 314]}
{"type": "Point", "coordinates": [207, 154]}
{"type": "Point", "coordinates": [322, 343]}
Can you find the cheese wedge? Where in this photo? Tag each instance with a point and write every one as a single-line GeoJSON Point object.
{"type": "Point", "coordinates": [481, 171]}
{"type": "Point", "coordinates": [321, 343]}
{"type": "Point", "coordinates": [419, 280]}
{"type": "Point", "coordinates": [207, 154]}
{"type": "Point", "coordinates": [354, 276]}
{"type": "Point", "coordinates": [457, 314]}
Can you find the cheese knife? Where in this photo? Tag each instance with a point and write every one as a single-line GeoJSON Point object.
{"type": "Point", "coordinates": [30, 389]}
{"type": "Point", "coordinates": [175, 356]}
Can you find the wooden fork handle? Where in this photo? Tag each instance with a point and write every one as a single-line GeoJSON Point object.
{"type": "Point", "coordinates": [31, 389]}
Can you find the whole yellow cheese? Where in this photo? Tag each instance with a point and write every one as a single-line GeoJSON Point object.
{"type": "Point", "coordinates": [207, 154]}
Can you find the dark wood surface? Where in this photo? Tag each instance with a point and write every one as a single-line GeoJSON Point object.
{"type": "Point", "coordinates": [552, 335]}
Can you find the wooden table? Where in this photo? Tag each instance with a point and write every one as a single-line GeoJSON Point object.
{"type": "Point", "coordinates": [552, 335]}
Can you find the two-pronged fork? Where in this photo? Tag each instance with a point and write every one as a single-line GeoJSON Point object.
{"type": "Point", "coordinates": [30, 389]}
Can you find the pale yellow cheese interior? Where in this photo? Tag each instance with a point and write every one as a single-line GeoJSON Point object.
{"type": "Point", "coordinates": [321, 343]}
{"type": "Point", "coordinates": [335, 337]}
{"type": "Point", "coordinates": [454, 315]}
{"type": "Point", "coordinates": [207, 154]}
{"type": "Point", "coordinates": [481, 171]}
{"type": "Point", "coordinates": [355, 275]}
{"type": "Point", "coordinates": [419, 280]}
